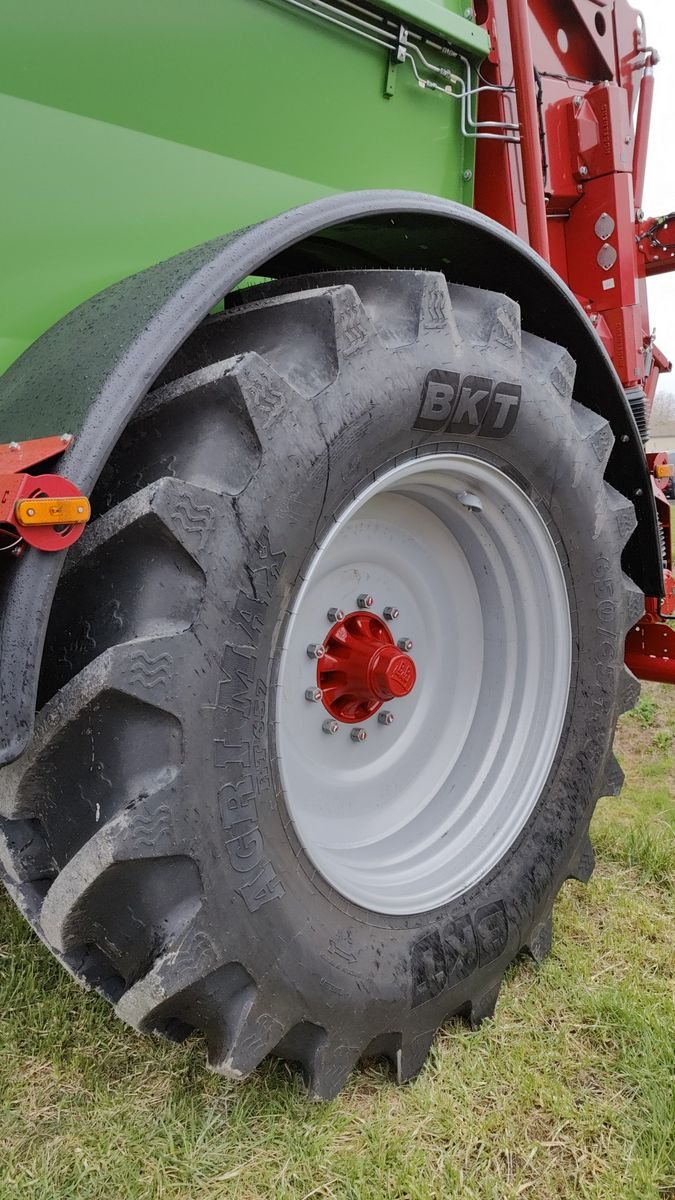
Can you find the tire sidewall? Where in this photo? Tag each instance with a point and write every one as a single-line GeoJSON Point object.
{"type": "Point", "coordinates": [281, 900]}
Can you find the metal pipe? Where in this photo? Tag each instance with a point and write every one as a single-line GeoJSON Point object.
{"type": "Point", "coordinates": [642, 132]}
{"type": "Point", "coordinates": [530, 149]}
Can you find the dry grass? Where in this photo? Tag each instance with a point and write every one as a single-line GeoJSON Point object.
{"type": "Point", "coordinates": [568, 1093]}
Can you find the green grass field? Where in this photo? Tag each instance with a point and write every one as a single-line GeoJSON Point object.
{"type": "Point", "coordinates": [568, 1093]}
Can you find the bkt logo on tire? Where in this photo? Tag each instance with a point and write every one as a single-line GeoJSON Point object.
{"type": "Point", "coordinates": [469, 404]}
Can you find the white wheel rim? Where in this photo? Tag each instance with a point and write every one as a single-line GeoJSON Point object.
{"type": "Point", "coordinates": [425, 807]}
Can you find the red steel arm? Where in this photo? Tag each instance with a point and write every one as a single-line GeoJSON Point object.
{"type": "Point", "coordinates": [523, 74]}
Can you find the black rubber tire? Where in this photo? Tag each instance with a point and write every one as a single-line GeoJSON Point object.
{"type": "Point", "coordinates": [145, 833]}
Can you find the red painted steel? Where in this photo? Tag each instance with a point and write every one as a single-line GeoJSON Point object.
{"type": "Point", "coordinates": [650, 647]}
{"type": "Point", "coordinates": [362, 667]}
{"type": "Point", "coordinates": [16, 484]}
{"type": "Point", "coordinates": [583, 77]}
{"type": "Point", "coordinates": [644, 117]}
{"type": "Point", "coordinates": [20, 456]}
{"type": "Point", "coordinates": [593, 72]}
{"type": "Point", "coordinates": [656, 244]}
{"type": "Point", "coordinates": [523, 74]}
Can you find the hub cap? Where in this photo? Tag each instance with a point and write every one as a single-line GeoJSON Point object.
{"type": "Point", "coordinates": [474, 672]}
{"type": "Point", "coordinates": [362, 667]}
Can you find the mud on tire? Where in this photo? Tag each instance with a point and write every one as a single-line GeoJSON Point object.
{"type": "Point", "coordinates": [145, 833]}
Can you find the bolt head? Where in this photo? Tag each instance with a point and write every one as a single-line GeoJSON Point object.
{"type": "Point", "coordinates": [358, 734]}
{"type": "Point", "coordinates": [390, 613]}
{"type": "Point", "coordinates": [313, 694]}
{"type": "Point", "coordinates": [335, 614]}
{"type": "Point", "coordinates": [365, 601]}
{"type": "Point", "coordinates": [405, 644]}
{"type": "Point", "coordinates": [583, 170]}
{"type": "Point", "coordinates": [385, 717]}
{"type": "Point", "coordinates": [15, 445]}
{"type": "Point", "coordinates": [577, 101]}
{"type": "Point", "coordinates": [625, 438]}
{"type": "Point", "coordinates": [467, 176]}
{"type": "Point", "coordinates": [66, 437]}
{"type": "Point", "coordinates": [31, 512]}
{"type": "Point", "coordinates": [330, 726]}
{"type": "Point", "coordinates": [315, 650]}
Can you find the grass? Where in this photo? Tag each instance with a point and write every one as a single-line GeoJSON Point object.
{"type": "Point", "coordinates": [568, 1093]}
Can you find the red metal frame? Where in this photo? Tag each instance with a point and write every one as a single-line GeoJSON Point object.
{"type": "Point", "coordinates": [523, 77]}
{"type": "Point", "coordinates": [17, 484]}
{"type": "Point", "coordinates": [583, 78]}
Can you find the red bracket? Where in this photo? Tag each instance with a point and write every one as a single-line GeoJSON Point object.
{"type": "Point", "coordinates": [45, 526]}
{"type": "Point", "coordinates": [656, 243]}
{"type": "Point", "coordinates": [650, 647]}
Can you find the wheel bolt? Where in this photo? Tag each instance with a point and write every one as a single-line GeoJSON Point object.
{"type": "Point", "coordinates": [315, 651]}
{"type": "Point", "coordinates": [390, 613]}
{"type": "Point", "coordinates": [330, 726]}
{"type": "Point", "coordinates": [358, 735]}
{"type": "Point", "coordinates": [365, 601]}
{"type": "Point", "coordinates": [335, 614]}
{"type": "Point", "coordinates": [405, 644]}
{"type": "Point", "coordinates": [386, 717]}
{"type": "Point", "coordinates": [313, 694]}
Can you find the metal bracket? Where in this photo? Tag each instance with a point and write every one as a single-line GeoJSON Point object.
{"type": "Point", "coordinates": [650, 647]}
{"type": "Point", "coordinates": [656, 243]}
{"type": "Point", "coordinates": [397, 55]}
{"type": "Point", "coordinates": [44, 511]}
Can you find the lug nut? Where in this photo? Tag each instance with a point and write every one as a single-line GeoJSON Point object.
{"type": "Point", "coordinates": [313, 694]}
{"type": "Point", "coordinates": [358, 735]}
{"type": "Point", "coordinates": [390, 613]}
{"type": "Point", "coordinates": [386, 717]}
{"type": "Point", "coordinates": [365, 601]}
{"type": "Point", "coordinates": [330, 726]}
{"type": "Point", "coordinates": [315, 651]}
{"type": "Point", "coordinates": [405, 644]}
{"type": "Point", "coordinates": [335, 614]}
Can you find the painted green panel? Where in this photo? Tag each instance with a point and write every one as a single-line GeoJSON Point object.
{"type": "Point", "coordinates": [132, 131]}
{"type": "Point", "coordinates": [445, 17]}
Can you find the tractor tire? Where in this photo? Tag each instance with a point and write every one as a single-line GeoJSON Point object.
{"type": "Point", "coordinates": [200, 829]}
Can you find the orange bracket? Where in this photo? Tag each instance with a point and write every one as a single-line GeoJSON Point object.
{"type": "Point", "coordinates": [44, 511]}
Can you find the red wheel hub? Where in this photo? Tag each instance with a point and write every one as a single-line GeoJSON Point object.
{"type": "Point", "coordinates": [362, 667]}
